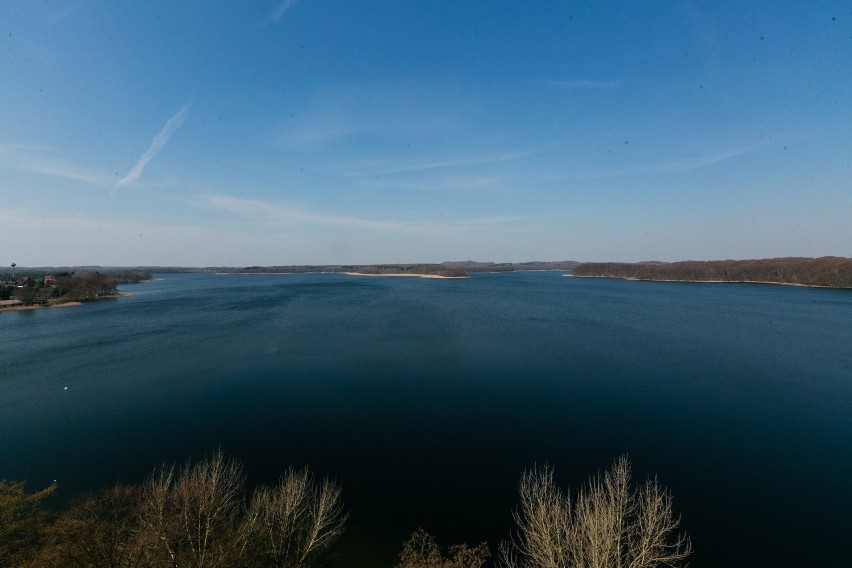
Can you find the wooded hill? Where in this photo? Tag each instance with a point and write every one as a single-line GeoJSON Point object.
{"type": "Point", "coordinates": [828, 271]}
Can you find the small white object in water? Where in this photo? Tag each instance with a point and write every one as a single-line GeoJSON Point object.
{"type": "Point", "coordinates": [66, 388]}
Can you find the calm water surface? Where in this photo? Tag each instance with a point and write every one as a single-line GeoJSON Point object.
{"type": "Point", "coordinates": [426, 399]}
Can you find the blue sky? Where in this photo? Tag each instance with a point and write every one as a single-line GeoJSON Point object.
{"type": "Point", "coordinates": [313, 131]}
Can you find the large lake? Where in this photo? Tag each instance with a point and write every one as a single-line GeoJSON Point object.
{"type": "Point", "coordinates": [426, 398]}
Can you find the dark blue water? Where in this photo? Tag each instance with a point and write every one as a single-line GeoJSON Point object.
{"type": "Point", "coordinates": [426, 399]}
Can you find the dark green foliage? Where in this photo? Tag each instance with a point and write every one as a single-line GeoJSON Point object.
{"type": "Point", "coordinates": [22, 522]}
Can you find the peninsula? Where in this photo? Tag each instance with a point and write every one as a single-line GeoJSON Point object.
{"type": "Point", "coordinates": [826, 272]}
{"type": "Point", "coordinates": [33, 290]}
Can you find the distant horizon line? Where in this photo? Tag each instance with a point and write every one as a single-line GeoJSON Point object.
{"type": "Point", "coordinates": [446, 262]}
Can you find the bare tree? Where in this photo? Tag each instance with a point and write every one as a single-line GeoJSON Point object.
{"type": "Point", "coordinates": [193, 516]}
{"type": "Point", "coordinates": [610, 524]}
{"type": "Point", "coordinates": [190, 515]}
{"type": "Point", "coordinates": [290, 524]}
{"type": "Point", "coordinates": [421, 551]}
{"type": "Point", "coordinates": [544, 528]}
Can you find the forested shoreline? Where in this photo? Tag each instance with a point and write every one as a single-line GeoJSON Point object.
{"type": "Point", "coordinates": [455, 269]}
{"type": "Point", "coordinates": [828, 271]}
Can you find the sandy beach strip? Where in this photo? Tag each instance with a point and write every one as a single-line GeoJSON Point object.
{"type": "Point", "coordinates": [63, 304]}
{"type": "Point", "coordinates": [39, 306]}
{"type": "Point", "coordinates": [407, 275]}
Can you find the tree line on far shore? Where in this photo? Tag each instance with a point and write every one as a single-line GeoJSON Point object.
{"type": "Point", "coordinates": [201, 515]}
{"type": "Point", "coordinates": [829, 271]}
{"type": "Point", "coordinates": [458, 269]}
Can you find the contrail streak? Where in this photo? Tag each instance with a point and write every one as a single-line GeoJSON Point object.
{"type": "Point", "coordinates": [157, 144]}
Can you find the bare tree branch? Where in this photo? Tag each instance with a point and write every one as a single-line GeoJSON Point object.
{"type": "Point", "coordinates": [611, 524]}
{"type": "Point", "coordinates": [190, 515]}
{"type": "Point", "coordinates": [290, 524]}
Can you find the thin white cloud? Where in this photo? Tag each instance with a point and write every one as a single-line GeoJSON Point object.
{"type": "Point", "coordinates": [412, 167]}
{"type": "Point", "coordinates": [157, 144]}
{"type": "Point", "coordinates": [681, 165]}
{"type": "Point", "coordinates": [39, 161]}
{"type": "Point", "coordinates": [279, 12]}
{"type": "Point", "coordinates": [440, 183]}
{"type": "Point", "coordinates": [288, 215]}
{"type": "Point", "coordinates": [72, 240]}
{"type": "Point", "coordinates": [102, 240]}
{"type": "Point", "coordinates": [500, 220]}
